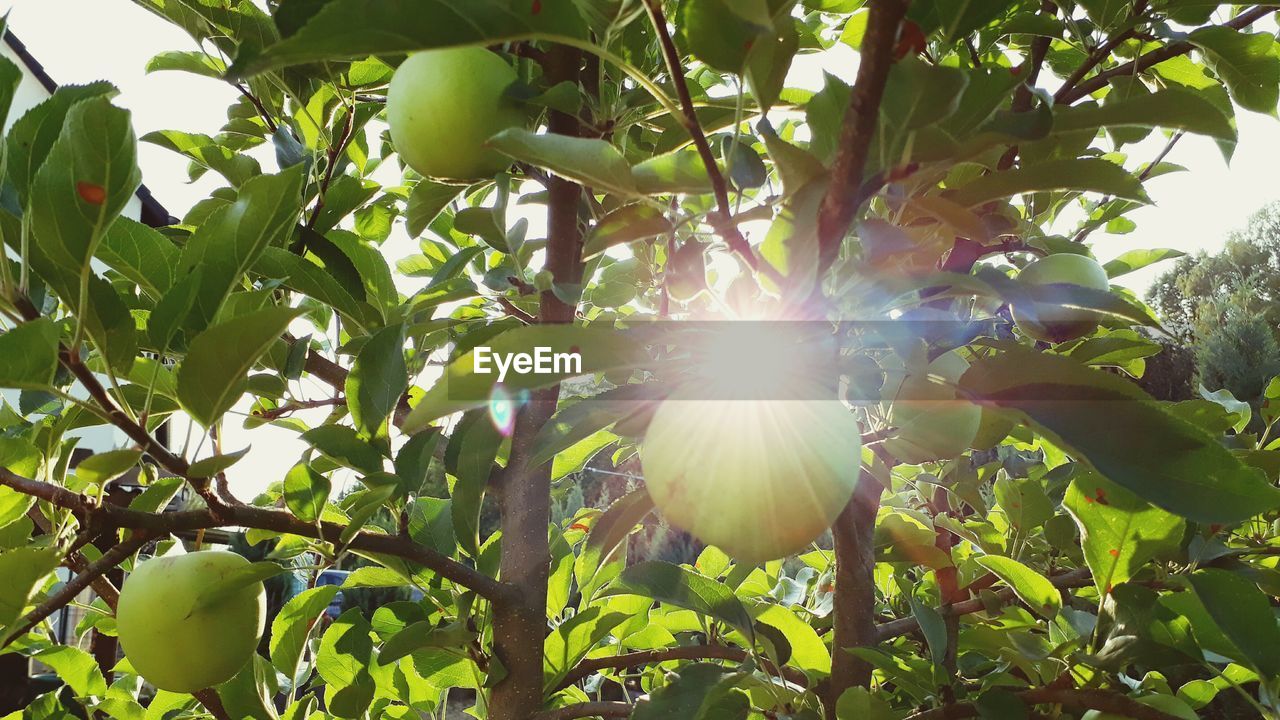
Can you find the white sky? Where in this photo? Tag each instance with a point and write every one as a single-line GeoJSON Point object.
{"type": "Point", "coordinates": [79, 41]}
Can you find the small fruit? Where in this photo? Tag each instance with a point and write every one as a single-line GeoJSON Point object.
{"type": "Point", "coordinates": [760, 479]}
{"type": "Point", "coordinates": [1052, 322]}
{"type": "Point", "coordinates": [444, 105]}
{"type": "Point", "coordinates": [171, 644]}
{"type": "Point", "coordinates": [931, 422]}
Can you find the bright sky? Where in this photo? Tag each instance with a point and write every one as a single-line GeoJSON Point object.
{"type": "Point", "coordinates": [84, 40]}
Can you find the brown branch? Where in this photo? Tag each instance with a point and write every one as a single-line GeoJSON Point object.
{"type": "Point", "coordinates": [1104, 701]}
{"type": "Point", "coordinates": [855, 589]}
{"type": "Point", "coordinates": [1141, 63]}
{"type": "Point", "coordinates": [257, 104]}
{"type": "Point", "coordinates": [516, 312]}
{"type": "Point", "coordinates": [861, 118]}
{"type": "Point", "coordinates": [114, 516]}
{"type": "Point", "coordinates": [209, 698]}
{"type": "Point", "coordinates": [586, 710]}
{"type": "Point", "coordinates": [722, 221]}
{"type": "Point", "coordinates": [1097, 55]}
{"type": "Point", "coordinates": [590, 666]}
{"type": "Point", "coordinates": [335, 150]}
{"type": "Point", "coordinates": [77, 584]}
{"type": "Point", "coordinates": [904, 626]}
{"type": "Point", "coordinates": [1023, 96]}
{"type": "Point", "coordinates": [1146, 173]}
{"type": "Point", "coordinates": [290, 408]}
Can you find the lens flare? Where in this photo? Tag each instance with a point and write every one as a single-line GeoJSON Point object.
{"type": "Point", "coordinates": [502, 409]}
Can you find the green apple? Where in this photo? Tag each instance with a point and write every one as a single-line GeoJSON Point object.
{"type": "Point", "coordinates": [931, 422]}
{"type": "Point", "coordinates": [1165, 703]}
{"type": "Point", "coordinates": [175, 646]}
{"type": "Point", "coordinates": [760, 479]}
{"type": "Point", "coordinates": [444, 105]}
{"type": "Point", "coordinates": [1055, 323]}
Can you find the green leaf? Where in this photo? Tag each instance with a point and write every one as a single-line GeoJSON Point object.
{"type": "Point", "coordinates": [1243, 613]}
{"type": "Point", "coordinates": [90, 174]}
{"type": "Point", "coordinates": [345, 29]}
{"type": "Point", "coordinates": [1030, 586]}
{"type": "Point", "coordinates": [1172, 108]}
{"type": "Point", "coordinates": [580, 420]}
{"type": "Point", "coordinates": [23, 569]}
{"type": "Point", "coordinates": [343, 662]}
{"type": "Point", "coordinates": [141, 254]}
{"type": "Point", "coordinates": [1077, 174]}
{"type": "Point", "coordinates": [722, 33]}
{"type": "Point", "coordinates": [1110, 423]}
{"type": "Point", "coordinates": [700, 691]}
{"type": "Point", "coordinates": [211, 466]}
{"type": "Point", "coordinates": [77, 668]}
{"type": "Point", "coordinates": [377, 379]}
{"type": "Point", "coordinates": [21, 458]}
{"type": "Point", "coordinates": [679, 171]}
{"type": "Point", "coordinates": [229, 242]}
{"type": "Point", "coordinates": [425, 634]}
{"type": "Point", "coordinates": [33, 135]}
{"type": "Point", "coordinates": [235, 581]}
{"type": "Point", "coordinates": [859, 704]}
{"type": "Point", "coordinates": [101, 468]}
{"type": "Point", "coordinates": [29, 355]}
{"type": "Point", "coordinates": [594, 163]}
{"type": "Point", "coordinates": [158, 494]}
{"type": "Point", "coordinates": [308, 278]}
{"type": "Point", "coordinates": [469, 457]}
{"type": "Point", "coordinates": [1247, 62]}
{"type": "Point", "coordinates": [191, 61]}
{"type": "Point", "coordinates": [1137, 259]}
{"type": "Point", "coordinates": [345, 445]}
{"type": "Point", "coordinates": [1119, 532]}
{"type": "Point", "coordinates": [431, 524]}
{"type": "Point", "coordinates": [426, 201]}
{"type": "Point", "coordinates": [920, 94]}
{"type": "Point", "coordinates": [250, 694]}
{"type": "Point", "coordinates": [626, 224]}
{"type": "Point", "coordinates": [306, 492]}
{"type": "Point", "coordinates": [808, 651]}
{"type": "Point", "coordinates": [610, 530]}
{"type": "Point", "coordinates": [573, 639]}
{"type": "Point", "coordinates": [462, 388]}
{"type": "Point", "coordinates": [673, 585]}
{"type": "Point", "coordinates": [213, 375]}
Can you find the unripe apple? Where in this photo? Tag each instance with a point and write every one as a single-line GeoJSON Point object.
{"type": "Point", "coordinates": [760, 479]}
{"type": "Point", "coordinates": [1054, 323]}
{"type": "Point", "coordinates": [175, 646]}
{"type": "Point", "coordinates": [1165, 703]}
{"type": "Point", "coordinates": [444, 105]}
{"type": "Point", "coordinates": [931, 422]}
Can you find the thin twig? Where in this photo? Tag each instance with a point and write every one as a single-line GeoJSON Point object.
{"type": "Point", "coordinates": [257, 104]}
{"type": "Point", "coordinates": [290, 408]}
{"type": "Point", "coordinates": [1141, 63]}
{"type": "Point", "coordinates": [335, 150]}
{"type": "Point", "coordinates": [722, 220]}
{"type": "Point", "coordinates": [590, 666]}
{"type": "Point", "coordinates": [247, 516]}
{"type": "Point", "coordinates": [860, 120]}
{"type": "Point", "coordinates": [1104, 701]}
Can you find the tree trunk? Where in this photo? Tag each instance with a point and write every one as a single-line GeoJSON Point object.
{"type": "Point", "coordinates": [524, 494]}
{"type": "Point", "coordinates": [855, 618]}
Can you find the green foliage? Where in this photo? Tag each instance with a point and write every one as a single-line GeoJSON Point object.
{"type": "Point", "coordinates": [1118, 543]}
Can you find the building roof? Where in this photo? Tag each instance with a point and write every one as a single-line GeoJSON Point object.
{"type": "Point", "coordinates": [153, 213]}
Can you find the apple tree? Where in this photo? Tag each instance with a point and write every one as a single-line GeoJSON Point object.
{"type": "Point", "coordinates": [954, 502]}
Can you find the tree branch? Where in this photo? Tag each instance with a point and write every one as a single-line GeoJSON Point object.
{"type": "Point", "coordinates": [1067, 95]}
{"type": "Point", "coordinates": [77, 584]}
{"type": "Point", "coordinates": [586, 710]}
{"type": "Point", "coordinates": [590, 666]}
{"type": "Point", "coordinates": [904, 626]}
{"type": "Point", "coordinates": [723, 222]}
{"type": "Point", "coordinates": [259, 518]}
{"type": "Point", "coordinates": [860, 120]}
{"type": "Point", "coordinates": [1101, 700]}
